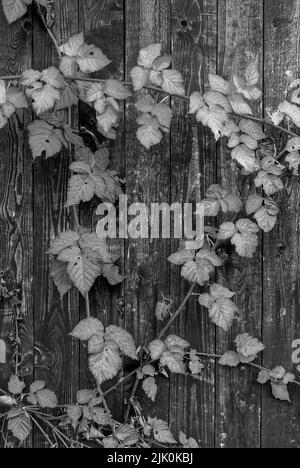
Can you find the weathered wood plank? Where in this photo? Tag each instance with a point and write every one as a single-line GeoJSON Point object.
{"type": "Point", "coordinates": [148, 181]}
{"type": "Point", "coordinates": [103, 24]}
{"type": "Point", "coordinates": [57, 356]}
{"type": "Point", "coordinates": [281, 424]}
{"type": "Point", "coordinates": [193, 169]}
{"type": "Point", "coordinates": [238, 413]}
{"type": "Point", "coordinates": [15, 194]}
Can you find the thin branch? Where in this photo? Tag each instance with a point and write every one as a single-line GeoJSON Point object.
{"type": "Point", "coordinates": [50, 33]}
{"type": "Point", "coordinates": [178, 311]}
{"type": "Point", "coordinates": [161, 91]}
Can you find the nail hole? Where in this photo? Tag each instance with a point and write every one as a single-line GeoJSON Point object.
{"type": "Point", "coordinates": [184, 24]}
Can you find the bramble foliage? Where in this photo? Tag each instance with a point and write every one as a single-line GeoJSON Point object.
{"type": "Point", "coordinates": [81, 256]}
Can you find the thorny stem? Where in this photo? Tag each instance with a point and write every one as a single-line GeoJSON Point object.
{"type": "Point", "coordinates": [159, 90]}
{"type": "Point", "coordinates": [50, 33]}
{"type": "Point", "coordinates": [161, 335]}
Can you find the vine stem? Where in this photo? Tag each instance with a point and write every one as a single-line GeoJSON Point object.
{"type": "Point", "coordinates": [160, 336]}
{"type": "Point", "coordinates": [158, 90]}
{"type": "Point", "coordinates": [50, 33]}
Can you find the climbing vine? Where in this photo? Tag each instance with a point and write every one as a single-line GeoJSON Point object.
{"type": "Point", "coordinates": [81, 256]}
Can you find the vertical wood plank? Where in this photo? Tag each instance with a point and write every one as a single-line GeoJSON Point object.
{"type": "Point", "coordinates": [148, 181]}
{"type": "Point", "coordinates": [103, 24]}
{"type": "Point", "coordinates": [57, 356]}
{"type": "Point", "coordinates": [16, 216]}
{"type": "Point", "coordinates": [193, 169]}
{"type": "Point", "coordinates": [281, 424]}
{"type": "Point", "coordinates": [238, 410]}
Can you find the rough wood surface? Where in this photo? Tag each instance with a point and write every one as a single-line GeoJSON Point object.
{"type": "Point", "coordinates": [226, 408]}
{"type": "Point", "coordinates": [193, 169]}
{"type": "Point", "coordinates": [238, 410]}
{"type": "Point", "coordinates": [281, 319]}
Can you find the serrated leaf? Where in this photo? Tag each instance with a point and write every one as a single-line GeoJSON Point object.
{"type": "Point", "coordinates": [62, 241]}
{"type": "Point", "coordinates": [116, 89]}
{"type": "Point", "coordinates": [61, 277]}
{"type": "Point", "coordinates": [265, 221]}
{"type": "Point", "coordinates": [20, 427]}
{"type": "Point", "coordinates": [28, 77]}
{"type": "Point", "coordinates": [145, 104]}
{"type": "Point", "coordinates": [196, 102]}
{"type": "Point", "coordinates": [44, 99]}
{"type": "Point", "coordinates": [293, 160]}
{"type": "Point", "coordinates": [149, 135]}
{"type": "Point", "coordinates": [280, 392]}
{"type": "Point", "coordinates": [190, 443]}
{"type": "Point", "coordinates": [263, 377]}
{"type": "Point", "coordinates": [253, 204]}
{"type": "Point", "coordinates": [44, 138]}
{"type": "Point", "coordinates": [252, 129]}
{"type": "Point", "coordinates": [164, 115]}
{"type": "Point", "coordinates": [248, 346]}
{"type": "Point", "coordinates": [3, 350]}
{"type": "Point", "coordinates": [245, 244]}
{"type": "Point", "coordinates": [251, 92]}
{"type": "Point", "coordinates": [226, 231]}
{"type": "Point", "coordinates": [217, 83]}
{"type": "Point", "coordinates": [173, 361]}
{"type": "Point", "coordinates": [230, 359]}
{"type": "Point", "coordinates": [106, 365]}
{"type": "Point", "coordinates": [14, 9]}
{"type": "Point", "coordinates": [47, 398]}
{"type": "Point", "coordinates": [150, 388]}
{"type": "Point", "coordinates": [15, 97]}
{"type": "Point", "coordinates": [148, 54]}
{"type": "Point", "coordinates": [214, 98]}
{"type": "Point", "coordinates": [239, 105]}
{"type": "Point", "coordinates": [214, 118]}
{"type": "Point", "coordinates": [292, 111]}
{"type": "Point", "coordinates": [37, 385]}
{"type": "Point", "coordinates": [74, 414]}
{"type": "Point", "coordinates": [112, 274]}
{"type": "Point", "coordinates": [246, 158]}
{"type": "Point", "coordinates": [173, 340]}
{"type": "Point", "coordinates": [53, 77]}
{"type": "Point", "coordinates": [149, 370]}
{"type": "Point", "coordinates": [7, 400]}
{"type": "Point", "coordinates": [250, 142]}
{"type": "Point", "coordinates": [162, 63]}
{"type": "Point", "coordinates": [270, 183]}
{"type": "Point", "coordinates": [222, 313]}
{"type": "Point", "coordinates": [181, 257]}
{"type": "Point", "coordinates": [81, 189]}
{"type": "Point", "coordinates": [140, 77]}
{"type": "Point", "coordinates": [2, 92]}
{"type": "Point", "coordinates": [87, 328]}
{"type": "Point", "coordinates": [161, 431]}
{"type": "Point", "coordinates": [156, 349]}
{"type": "Point", "coordinates": [128, 435]}
{"type": "Point", "coordinates": [15, 385]}
{"type": "Point", "coordinates": [173, 82]}
{"type": "Point", "coordinates": [91, 59]}
{"type": "Point", "coordinates": [123, 339]}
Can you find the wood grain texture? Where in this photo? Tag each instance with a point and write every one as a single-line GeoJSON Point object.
{"type": "Point", "coordinates": [103, 24]}
{"type": "Point", "coordinates": [57, 356]}
{"type": "Point", "coordinates": [148, 181]}
{"type": "Point", "coordinates": [16, 216]}
{"type": "Point", "coordinates": [226, 408]}
{"type": "Point", "coordinates": [193, 169]}
{"type": "Point", "coordinates": [281, 325]}
{"type": "Point", "coordinates": [238, 411]}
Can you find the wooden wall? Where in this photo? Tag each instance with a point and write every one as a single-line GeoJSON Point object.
{"type": "Point", "coordinates": [227, 408]}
